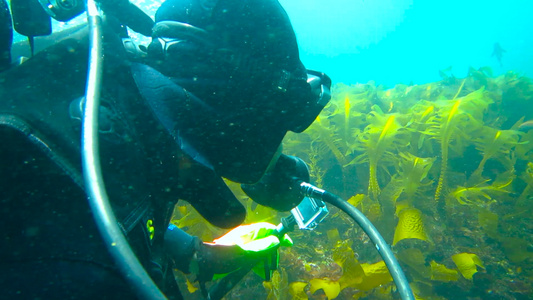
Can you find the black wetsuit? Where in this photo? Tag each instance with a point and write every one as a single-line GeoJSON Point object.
{"type": "Point", "coordinates": [50, 246]}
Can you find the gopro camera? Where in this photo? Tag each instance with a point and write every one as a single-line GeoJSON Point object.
{"type": "Point", "coordinates": [309, 213]}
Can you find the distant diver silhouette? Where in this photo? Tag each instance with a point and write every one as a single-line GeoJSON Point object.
{"type": "Point", "coordinates": [498, 52]}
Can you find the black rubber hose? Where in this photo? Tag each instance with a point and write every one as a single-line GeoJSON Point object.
{"type": "Point", "coordinates": [383, 248]}
{"type": "Point", "coordinates": [105, 219]}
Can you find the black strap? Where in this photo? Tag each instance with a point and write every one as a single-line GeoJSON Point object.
{"type": "Point", "coordinates": [46, 146]}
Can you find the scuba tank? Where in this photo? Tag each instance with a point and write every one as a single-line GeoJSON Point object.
{"type": "Point", "coordinates": [6, 35]}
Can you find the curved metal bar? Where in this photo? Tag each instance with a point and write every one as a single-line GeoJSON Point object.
{"type": "Point", "coordinates": [114, 239]}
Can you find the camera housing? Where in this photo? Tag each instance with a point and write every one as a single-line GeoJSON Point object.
{"type": "Point", "coordinates": [309, 213]}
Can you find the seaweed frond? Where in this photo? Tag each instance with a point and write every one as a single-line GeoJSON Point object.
{"type": "Point", "coordinates": [378, 139]}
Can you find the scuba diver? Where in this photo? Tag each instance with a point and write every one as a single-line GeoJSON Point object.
{"type": "Point", "coordinates": [212, 97]}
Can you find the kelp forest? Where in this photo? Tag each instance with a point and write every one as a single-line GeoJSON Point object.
{"type": "Point", "coordinates": [444, 170]}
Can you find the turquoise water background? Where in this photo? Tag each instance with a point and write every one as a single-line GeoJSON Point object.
{"type": "Point", "coordinates": [404, 41]}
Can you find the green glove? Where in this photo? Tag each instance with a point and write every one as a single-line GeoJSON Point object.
{"type": "Point", "coordinates": [256, 237]}
{"type": "Point", "coordinates": [258, 240]}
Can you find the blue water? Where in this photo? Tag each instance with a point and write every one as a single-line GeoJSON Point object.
{"type": "Point", "coordinates": [404, 41]}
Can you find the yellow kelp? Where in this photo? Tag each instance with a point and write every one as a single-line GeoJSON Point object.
{"type": "Point", "coordinates": [517, 249]}
{"type": "Point", "coordinates": [410, 226]}
{"type": "Point", "coordinates": [255, 213]}
{"type": "Point", "coordinates": [191, 287]}
{"type": "Point", "coordinates": [489, 220]}
{"type": "Point", "coordinates": [331, 288]}
{"type": "Point", "coordinates": [330, 138]}
{"type": "Point", "coordinates": [356, 199]}
{"type": "Point", "coordinates": [413, 173]}
{"type": "Point", "coordinates": [278, 286]}
{"type": "Point", "coordinates": [375, 275]}
{"type": "Point", "coordinates": [440, 272]}
{"type": "Point", "coordinates": [479, 194]}
{"type": "Point", "coordinates": [185, 216]}
{"type": "Point", "coordinates": [482, 186]}
{"type": "Point", "coordinates": [377, 140]}
{"type": "Point", "coordinates": [297, 290]}
{"type": "Point", "coordinates": [352, 271]}
{"type": "Point", "coordinates": [423, 117]}
{"type": "Point", "coordinates": [445, 129]}
{"type": "Point", "coordinates": [457, 117]}
{"type": "Point", "coordinates": [414, 261]}
{"type": "Point", "coordinates": [467, 264]}
{"type": "Point", "coordinates": [347, 106]}
{"type": "Point", "coordinates": [527, 177]}
{"type": "Point", "coordinates": [496, 144]}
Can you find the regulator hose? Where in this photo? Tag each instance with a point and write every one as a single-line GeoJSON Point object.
{"type": "Point", "coordinates": [383, 248]}
{"type": "Point", "coordinates": [105, 219]}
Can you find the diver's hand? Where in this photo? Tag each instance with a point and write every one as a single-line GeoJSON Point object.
{"type": "Point", "coordinates": [247, 246]}
{"type": "Point", "coordinates": [260, 241]}
{"type": "Point", "coordinates": [254, 238]}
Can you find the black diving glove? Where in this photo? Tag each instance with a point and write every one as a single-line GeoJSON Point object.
{"type": "Point", "coordinates": [245, 246]}
{"type": "Point", "coordinates": [254, 246]}
{"type": "Point", "coordinates": [277, 187]}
